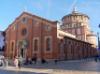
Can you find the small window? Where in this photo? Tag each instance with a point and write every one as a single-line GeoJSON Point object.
{"type": "Point", "coordinates": [73, 31]}
{"type": "Point", "coordinates": [24, 31]}
{"type": "Point", "coordinates": [78, 31]}
{"type": "Point", "coordinates": [35, 45]}
{"type": "Point", "coordinates": [62, 27]}
{"type": "Point", "coordinates": [34, 21]}
{"type": "Point", "coordinates": [47, 28]}
{"type": "Point", "coordinates": [48, 44]}
{"type": "Point", "coordinates": [24, 20]}
{"type": "Point", "coordinates": [82, 17]}
{"type": "Point", "coordinates": [14, 27]}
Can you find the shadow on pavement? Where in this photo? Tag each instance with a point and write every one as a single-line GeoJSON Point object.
{"type": "Point", "coordinates": [69, 65]}
{"type": "Point", "coordinates": [17, 72]}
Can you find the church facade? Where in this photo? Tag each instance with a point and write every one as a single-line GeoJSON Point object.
{"type": "Point", "coordinates": [30, 35]}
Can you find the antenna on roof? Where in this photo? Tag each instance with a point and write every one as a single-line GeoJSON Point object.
{"type": "Point", "coordinates": [74, 9]}
{"type": "Point", "coordinates": [73, 6]}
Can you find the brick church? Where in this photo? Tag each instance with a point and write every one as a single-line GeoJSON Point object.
{"type": "Point", "coordinates": [30, 35]}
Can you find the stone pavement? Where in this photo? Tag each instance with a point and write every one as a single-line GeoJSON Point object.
{"type": "Point", "coordinates": [49, 71]}
{"type": "Point", "coordinates": [12, 68]}
{"type": "Point", "coordinates": [63, 67]}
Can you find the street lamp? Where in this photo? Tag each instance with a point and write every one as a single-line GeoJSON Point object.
{"type": "Point", "coordinates": [98, 42]}
{"type": "Point", "coordinates": [98, 39]}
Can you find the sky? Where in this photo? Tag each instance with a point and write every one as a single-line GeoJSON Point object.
{"type": "Point", "coordinates": [49, 9]}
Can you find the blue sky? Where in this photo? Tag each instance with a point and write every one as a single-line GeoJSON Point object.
{"type": "Point", "coordinates": [50, 9]}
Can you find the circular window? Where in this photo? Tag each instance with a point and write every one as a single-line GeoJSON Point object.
{"type": "Point", "coordinates": [24, 31]}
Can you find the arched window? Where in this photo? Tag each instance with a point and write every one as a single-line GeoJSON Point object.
{"type": "Point", "coordinates": [24, 32]}
{"type": "Point", "coordinates": [48, 44]}
{"type": "Point", "coordinates": [12, 46]}
{"type": "Point", "coordinates": [12, 49]}
{"type": "Point", "coordinates": [35, 45]}
{"type": "Point", "coordinates": [24, 20]}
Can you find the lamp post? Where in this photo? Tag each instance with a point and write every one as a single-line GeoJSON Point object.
{"type": "Point", "coordinates": [98, 42]}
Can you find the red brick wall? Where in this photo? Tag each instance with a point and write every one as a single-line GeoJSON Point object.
{"type": "Point", "coordinates": [75, 49]}
{"type": "Point", "coordinates": [35, 28]}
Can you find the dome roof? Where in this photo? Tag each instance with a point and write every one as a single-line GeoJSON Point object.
{"type": "Point", "coordinates": [75, 13]}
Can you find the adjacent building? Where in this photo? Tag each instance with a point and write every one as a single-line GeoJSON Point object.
{"type": "Point", "coordinates": [2, 42]}
{"type": "Point", "coordinates": [72, 48]}
{"type": "Point", "coordinates": [77, 49]}
{"type": "Point", "coordinates": [77, 24]}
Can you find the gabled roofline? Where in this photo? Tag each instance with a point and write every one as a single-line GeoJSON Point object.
{"type": "Point", "coordinates": [32, 16]}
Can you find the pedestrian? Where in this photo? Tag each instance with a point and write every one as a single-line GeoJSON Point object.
{"type": "Point", "coordinates": [55, 61]}
{"type": "Point", "coordinates": [1, 63]}
{"type": "Point", "coordinates": [16, 62]}
{"type": "Point", "coordinates": [43, 61]}
{"type": "Point", "coordinates": [26, 61]}
{"type": "Point", "coordinates": [34, 58]}
{"type": "Point", "coordinates": [95, 59]}
{"type": "Point", "coordinates": [6, 62]}
{"type": "Point", "coordinates": [19, 64]}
